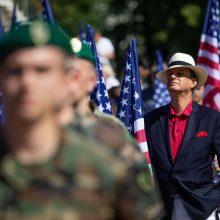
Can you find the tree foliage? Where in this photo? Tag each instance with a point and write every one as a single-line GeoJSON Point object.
{"type": "Point", "coordinates": [167, 25]}
{"type": "Point", "coordinates": [170, 25]}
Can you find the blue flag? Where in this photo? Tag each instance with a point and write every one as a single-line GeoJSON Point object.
{"type": "Point", "coordinates": [1, 27]}
{"type": "Point", "coordinates": [99, 94]}
{"type": "Point", "coordinates": [14, 20]}
{"type": "Point", "coordinates": [125, 106]}
{"type": "Point", "coordinates": [47, 12]}
{"type": "Point", "coordinates": [1, 100]}
{"type": "Point", "coordinates": [130, 105]}
{"type": "Point", "coordinates": [161, 95]}
{"type": "Point", "coordinates": [130, 110]}
{"type": "Point", "coordinates": [82, 33]}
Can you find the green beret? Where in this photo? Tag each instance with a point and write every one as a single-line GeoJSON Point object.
{"type": "Point", "coordinates": [34, 34]}
{"type": "Point", "coordinates": [82, 50]}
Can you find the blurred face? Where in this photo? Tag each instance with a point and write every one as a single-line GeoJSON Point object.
{"type": "Point", "coordinates": [180, 80]}
{"type": "Point", "coordinates": [83, 79]}
{"type": "Point", "coordinates": [198, 95]}
{"type": "Point", "coordinates": [144, 72]}
{"type": "Point", "coordinates": [32, 81]}
{"type": "Point", "coordinates": [97, 36]}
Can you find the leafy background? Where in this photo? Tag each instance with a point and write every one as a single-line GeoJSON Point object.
{"type": "Point", "coordinates": [168, 25]}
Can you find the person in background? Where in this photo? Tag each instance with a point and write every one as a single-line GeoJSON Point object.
{"type": "Point", "coordinates": [183, 138]}
{"type": "Point", "coordinates": [112, 85]}
{"type": "Point", "coordinates": [47, 171]}
{"type": "Point", "coordinates": [198, 95]}
{"type": "Point", "coordinates": [105, 48]}
{"type": "Point", "coordinates": [147, 85]}
{"type": "Point", "coordinates": [109, 76]}
{"type": "Point", "coordinates": [104, 127]}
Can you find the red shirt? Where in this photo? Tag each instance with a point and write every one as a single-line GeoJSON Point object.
{"type": "Point", "coordinates": [177, 127]}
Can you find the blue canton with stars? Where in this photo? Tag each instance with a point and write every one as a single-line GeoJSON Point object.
{"type": "Point", "coordinates": [161, 95]}
{"type": "Point", "coordinates": [212, 23]}
{"type": "Point", "coordinates": [99, 94]}
{"type": "Point", "coordinates": [130, 105]}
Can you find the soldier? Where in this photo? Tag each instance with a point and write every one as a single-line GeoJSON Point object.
{"type": "Point", "coordinates": [47, 172]}
{"type": "Point", "coordinates": [103, 127]}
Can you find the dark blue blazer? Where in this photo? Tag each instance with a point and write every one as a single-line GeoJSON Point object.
{"type": "Point", "coordinates": [190, 175]}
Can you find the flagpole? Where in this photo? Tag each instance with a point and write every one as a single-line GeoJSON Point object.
{"type": "Point", "coordinates": [207, 16]}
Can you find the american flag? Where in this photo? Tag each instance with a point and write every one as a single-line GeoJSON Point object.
{"type": "Point", "coordinates": [99, 94]}
{"type": "Point", "coordinates": [208, 55]}
{"type": "Point", "coordinates": [2, 113]}
{"type": "Point", "coordinates": [47, 12]}
{"type": "Point", "coordinates": [161, 95]}
{"type": "Point", "coordinates": [130, 110]}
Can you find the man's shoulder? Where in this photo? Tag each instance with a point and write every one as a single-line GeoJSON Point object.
{"type": "Point", "coordinates": [107, 118]}
{"type": "Point", "coordinates": [80, 140]}
{"type": "Point", "coordinates": [110, 132]}
{"type": "Point", "coordinates": [85, 168]}
{"type": "Point", "coordinates": [206, 110]}
{"type": "Point", "coordinates": [111, 166]}
{"type": "Point", "coordinates": [206, 114]}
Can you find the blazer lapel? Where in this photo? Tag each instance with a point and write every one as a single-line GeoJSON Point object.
{"type": "Point", "coordinates": [190, 129]}
{"type": "Point", "coordinates": [164, 121]}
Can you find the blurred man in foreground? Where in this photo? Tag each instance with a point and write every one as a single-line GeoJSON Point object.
{"type": "Point", "coordinates": [47, 172]}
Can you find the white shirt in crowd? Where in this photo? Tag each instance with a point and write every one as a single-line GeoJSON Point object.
{"type": "Point", "coordinates": [104, 47]}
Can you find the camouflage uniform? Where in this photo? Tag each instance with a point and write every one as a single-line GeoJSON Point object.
{"type": "Point", "coordinates": [109, 130]}
{"type": "Point", "coordinates": [85, 181]}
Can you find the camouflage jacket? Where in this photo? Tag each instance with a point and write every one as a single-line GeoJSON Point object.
{"type": "Point", "coordinates": [84, 181]}
{"type": "Point", "coordinates": [110, 131]}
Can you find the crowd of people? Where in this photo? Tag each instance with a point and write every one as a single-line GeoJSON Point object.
{"type": "Point", "coordinates": [60, 158]}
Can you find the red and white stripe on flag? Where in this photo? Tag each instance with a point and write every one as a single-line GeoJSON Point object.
{"type": "Point", "coordinates": [208, 55]}
{"type": "Point", "coordinates": [140, 136]}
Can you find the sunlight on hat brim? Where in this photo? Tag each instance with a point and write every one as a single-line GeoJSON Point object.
{"type": "Point", "coordinates": [200, 72]}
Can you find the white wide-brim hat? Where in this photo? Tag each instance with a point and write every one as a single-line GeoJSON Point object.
{"type": "Point", "coordinates": [180, 60]}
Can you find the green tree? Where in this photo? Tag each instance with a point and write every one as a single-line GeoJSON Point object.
{"type": "Point", "coordinates": [170, 25]}
{"type": "Point", "coordinates": [167, 25]}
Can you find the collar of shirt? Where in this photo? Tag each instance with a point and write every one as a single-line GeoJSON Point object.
{"type": "Point", "coordinates": [186, 113]}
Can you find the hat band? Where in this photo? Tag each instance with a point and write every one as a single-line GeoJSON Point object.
{"type": "Point", "coordinates": [182, 63]}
